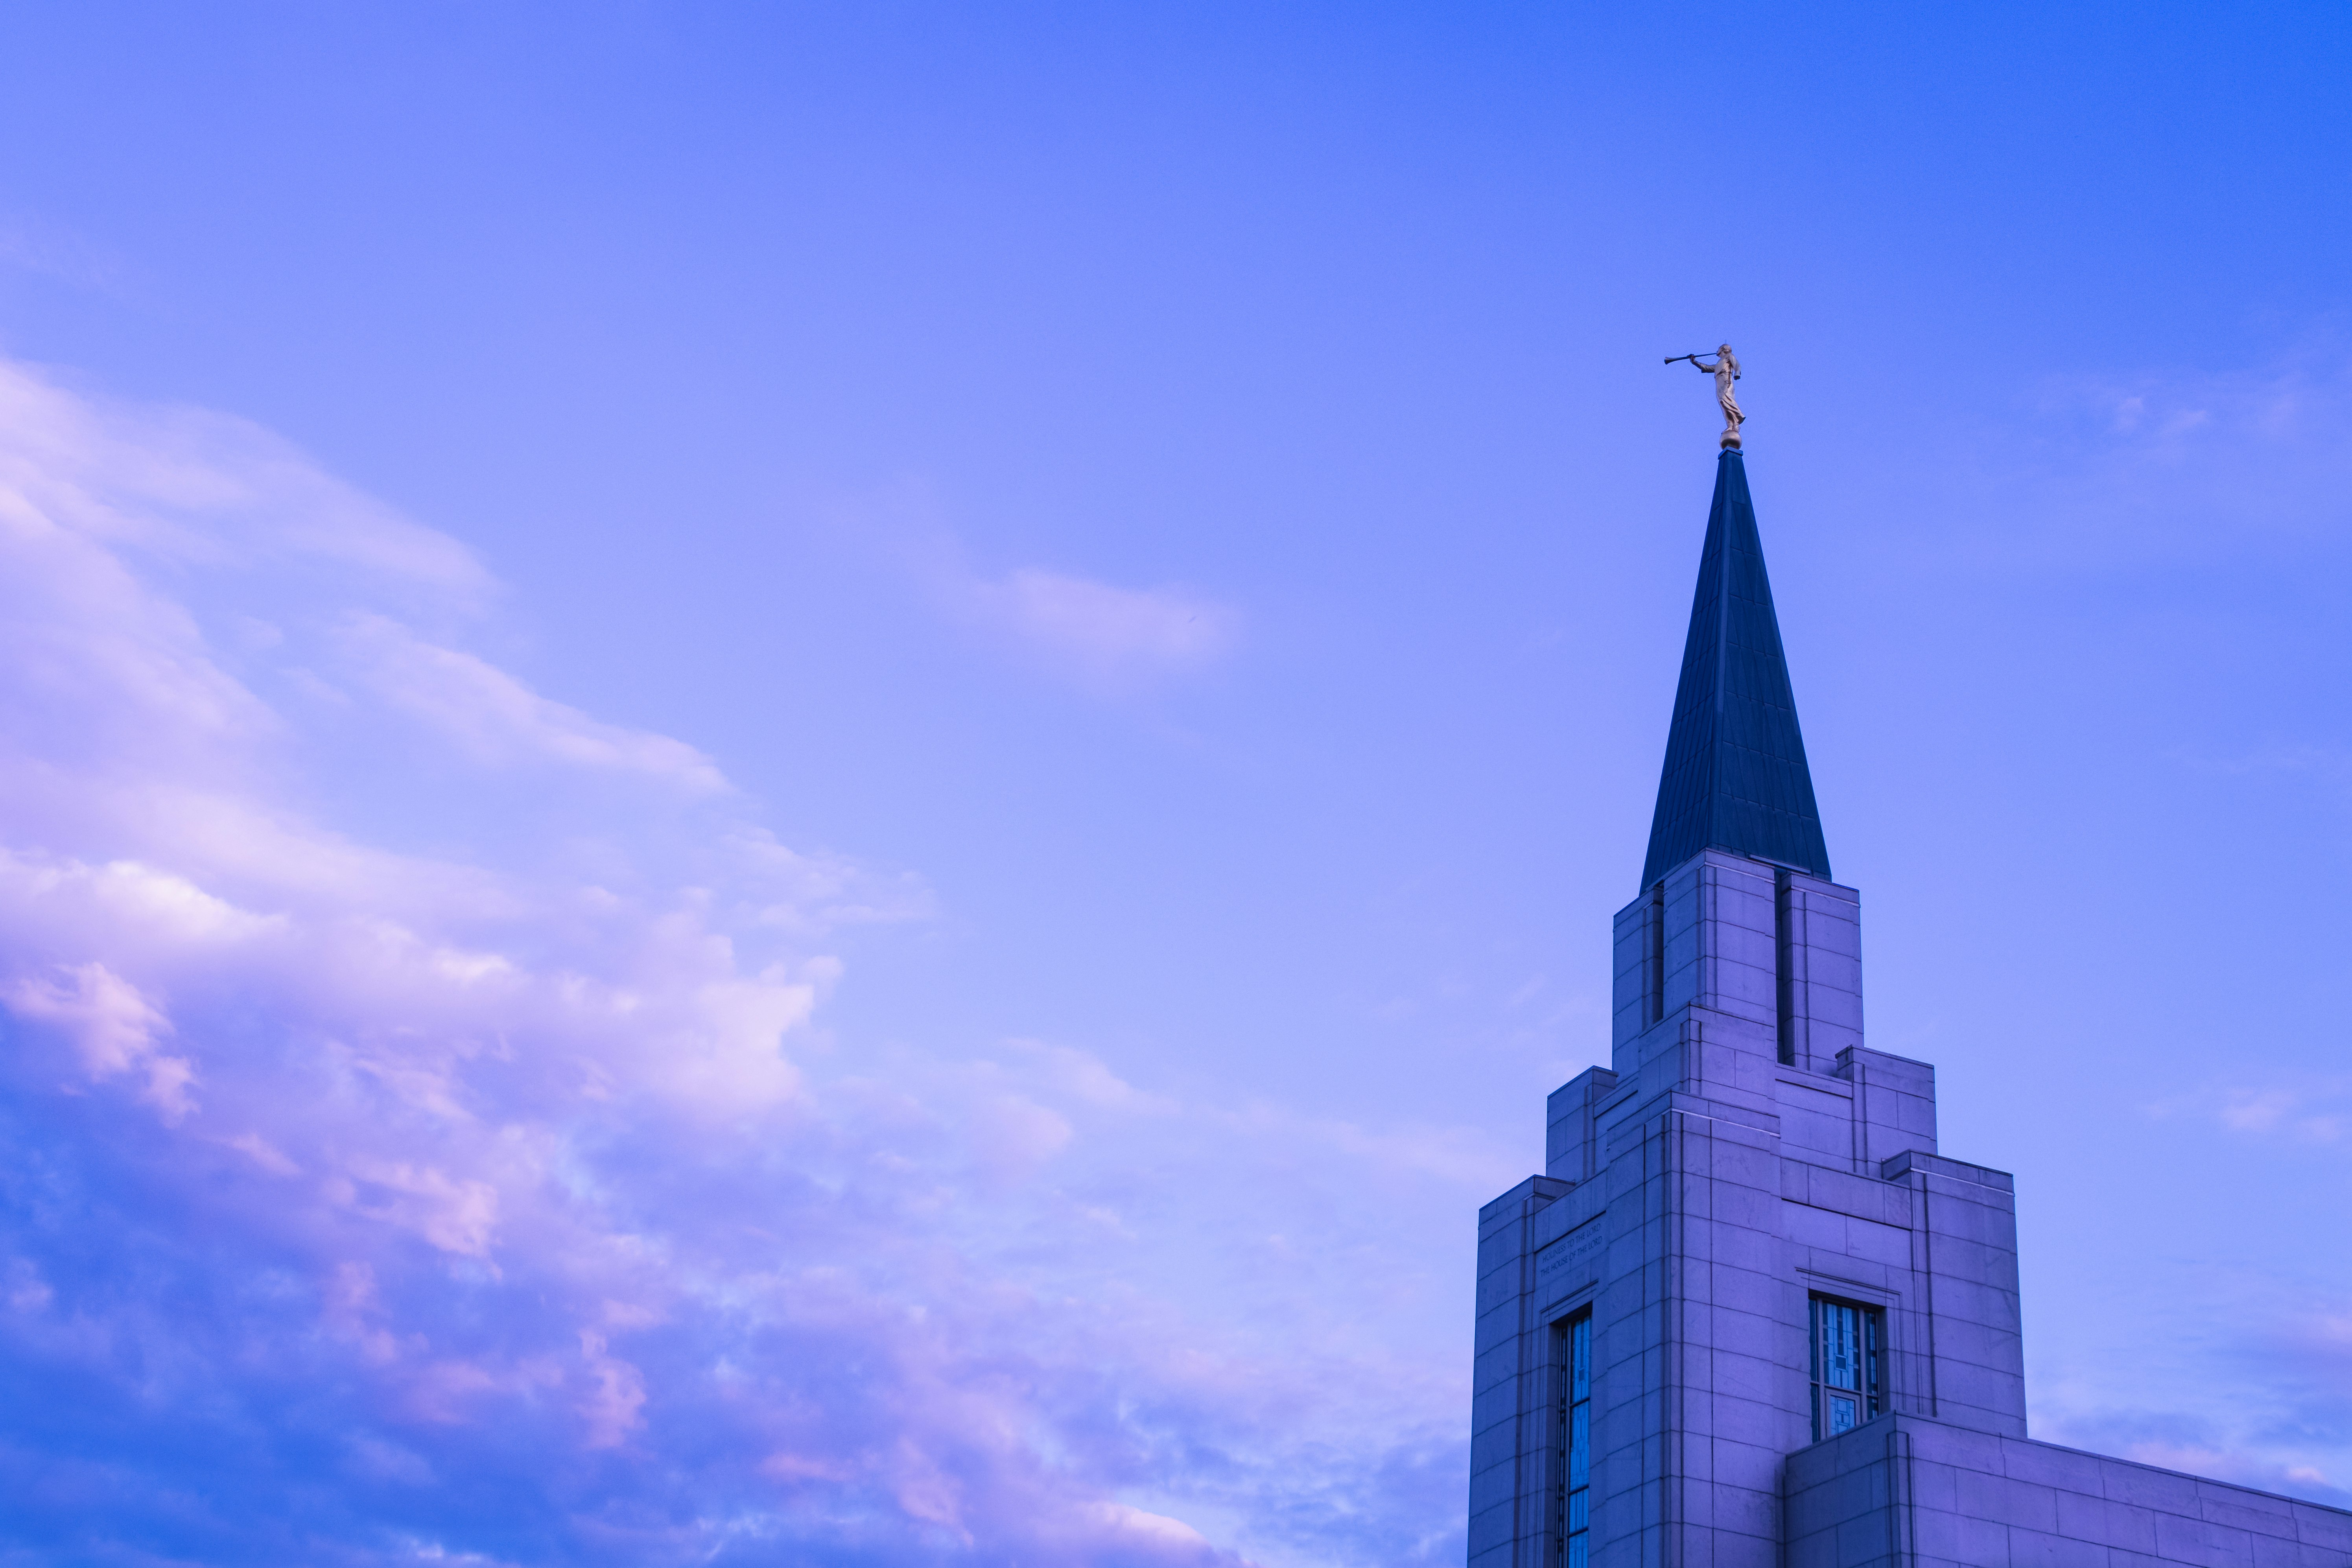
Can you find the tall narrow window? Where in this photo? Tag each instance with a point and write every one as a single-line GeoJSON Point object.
{"type": "Point", "coordinates": [1654, 956]}
{"type": "Point", "coordinates": [1847, 1386]}
{"type": "Point", "coordinates": [1571, 1494]}
{"type": "Point", "coordinates": [1784, 987]}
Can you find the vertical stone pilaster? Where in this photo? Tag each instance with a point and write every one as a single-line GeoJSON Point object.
{"type": "Point", "coordinates": [1571, 1146]}
{"type": "Point", "coordinates": [1822, 951]}
{"type": "Point", "coordinates": [1964, 1246]}
{"type": "Point", "coordinates": [1509, 1384]}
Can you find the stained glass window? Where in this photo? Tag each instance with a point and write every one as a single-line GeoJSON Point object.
{"type": "Point", "coordinates": [1847, 1385]}
{"type": "Point", "coordinates": [1572, 1509]}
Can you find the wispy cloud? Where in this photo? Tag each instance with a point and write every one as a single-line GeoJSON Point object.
{"type": "Point", "coordinates": [1097, 633]}
{"type": "Point", "coordinates": [197, 485]}
{"type": "Point", "coordinates": [1107, 637]}
{"type": "Point", "coordinates": [47, 249]}
{"type": "Point", "coordinates": [115, 1029]}
{"type": "Point", "coordinates": [2171, 465]}
{"type": "Point", "coordinates": [498, 719]}
{"type": "Point", "coordinates": [2311, 1110]}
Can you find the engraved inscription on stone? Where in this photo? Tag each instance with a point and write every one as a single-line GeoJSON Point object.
{"type": "Point", "coordinates": [1573, 1260]}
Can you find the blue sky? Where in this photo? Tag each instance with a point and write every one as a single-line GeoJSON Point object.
{"type": "Point", "coordinates": [825, 785]}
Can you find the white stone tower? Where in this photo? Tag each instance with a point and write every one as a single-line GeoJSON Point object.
{"type": "Point", "coordinates": [1749, 1316]}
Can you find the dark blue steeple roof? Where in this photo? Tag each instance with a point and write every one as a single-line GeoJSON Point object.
{"type": "Point", "coordinates": [1734, 776]}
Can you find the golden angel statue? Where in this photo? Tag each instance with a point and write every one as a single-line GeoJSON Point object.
{"type": "Point", "coordinates": [1725, 370]}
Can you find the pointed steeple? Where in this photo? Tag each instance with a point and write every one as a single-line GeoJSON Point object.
{"type": "Point", "coordinates": [1734, 776]}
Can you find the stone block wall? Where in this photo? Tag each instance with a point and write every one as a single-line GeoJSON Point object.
{"type": "Point", "coordinates": [1905, 1492]}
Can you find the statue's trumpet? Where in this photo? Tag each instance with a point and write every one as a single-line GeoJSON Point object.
{"type": "Point", "coordinates": [1679, 358]}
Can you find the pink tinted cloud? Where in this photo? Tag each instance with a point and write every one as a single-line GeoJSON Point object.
{"type": "Point", "coordinates": [481, 1167]}
{"type": "Point", "coordinates": [115, 1029]}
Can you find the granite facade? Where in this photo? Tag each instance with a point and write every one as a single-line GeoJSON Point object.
{"type": "Point", "coordinates": [1744, 1154]}
{"type": "Point", "coordinates": [1902, 1492]}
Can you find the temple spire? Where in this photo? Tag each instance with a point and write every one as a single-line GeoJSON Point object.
{"type": "Point", "coordinates": [1734, 776]}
